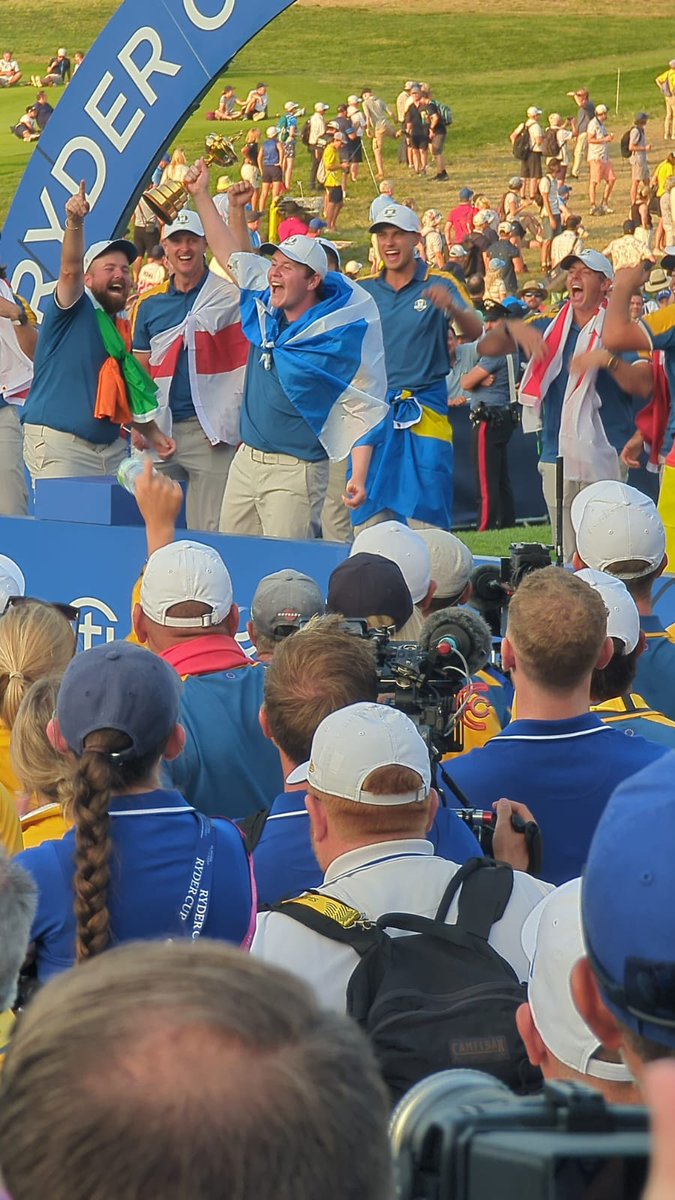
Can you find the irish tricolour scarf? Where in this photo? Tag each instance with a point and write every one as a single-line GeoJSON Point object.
{"type": "Point", "coordinates": [330, 361]}
{"type": "Point", "coordinates": [217, 352]}
{"type": "Point", "coordinates": [587, 454]}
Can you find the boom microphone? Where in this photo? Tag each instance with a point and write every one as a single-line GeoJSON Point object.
{"type": "Point", "coordinates": [457, 630]}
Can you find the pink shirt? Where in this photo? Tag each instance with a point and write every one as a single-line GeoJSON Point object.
{"type": "Point", "coordinates": [461, 219]}
{"type": "Point", "coordinates": [291, 227]}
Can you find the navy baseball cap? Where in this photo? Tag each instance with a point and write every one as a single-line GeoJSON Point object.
{"type": "Point", "coordinates": [627, 905]}
{"type": "Point", "coordinates": [368, 585]}
{"type": "Point", "coordinates": [123, 687]}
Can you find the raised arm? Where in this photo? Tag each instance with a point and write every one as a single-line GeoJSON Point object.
{"type": "Point", "coordinates": [224, 240]}
{"type": "Point", "coordinates": [619, 332]}
{"type": "Point", "coordinates": [70, 285]}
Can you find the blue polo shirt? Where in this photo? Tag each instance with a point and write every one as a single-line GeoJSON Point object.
{"type": "Point", "coordinates": [618, 407]}
{"type": "Point", "coordinates": [565, 771]}
{"type": "Point", "coordinates": [269, 422]}
{"type": "Point", "coordinates": [228, 767]}
{"type": "Point", "coordinates": [68, 358]}
{"type": "Point", "coordinates": [415, 332]}
{"type": "Point", "coordinates": [159, 309]}
{"type": "Point", "coordinates": [655, 678]}
{"type": "Point", "coordinates": [497, 394]}
{"type": "Point", "coordinates": [284, 861]}
{"type": "Point", "coordinates": [155, 839]}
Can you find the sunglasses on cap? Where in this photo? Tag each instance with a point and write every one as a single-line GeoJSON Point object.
{"type": "Point", "coordinates": [647, 992]}
{"type": "Point", "coordinates": [69, 611]}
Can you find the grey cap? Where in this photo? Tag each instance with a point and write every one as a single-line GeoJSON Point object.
{"type": "Point", "coordinates": [283, 600]}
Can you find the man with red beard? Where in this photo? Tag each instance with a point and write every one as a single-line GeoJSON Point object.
{"type": "Point", "coordinates": [86, 383]}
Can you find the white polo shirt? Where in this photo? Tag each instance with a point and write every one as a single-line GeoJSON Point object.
{"type": "Point", "coordinates": [398, 876]}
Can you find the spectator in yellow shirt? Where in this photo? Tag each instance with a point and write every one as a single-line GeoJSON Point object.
{"type": "Point", "coordinates": [666, 84]}
{"type": "Point", "coordinates": [42, 771]}
{"type": "Point", "coordinates": [334, 167]}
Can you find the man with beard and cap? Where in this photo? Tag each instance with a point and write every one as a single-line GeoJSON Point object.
{"type": "Point", "coordinates": [86, 382]}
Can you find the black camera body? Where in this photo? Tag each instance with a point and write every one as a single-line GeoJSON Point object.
{"type": "Point", "coordinates": [462, 1135]}
{"type": "Point", "coordinates": [493, 586]}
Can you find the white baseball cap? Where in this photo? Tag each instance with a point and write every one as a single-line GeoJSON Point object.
{"type": "Point", "coordinates": [353, 99]}
{"type": "Point", "coordinates": [187, 221]}
{"type": "Point", "coordinates": [451, 562]}
{"type": "Point", "coordinates": [601, 108]}
{"type": "Point", "coordinates": [457, 251]}
{"type": "Point", "coordinates": [301, 249]}
{"type": "Point", "coordinates": [553, 942]}
{"type": "Point", "coordinates": [290, 105]}
{"type": "Point", "coordinates": [330, 248]}
{"type": "Point", "coordinates": [593, 259]}
{"type": "Point", "coordinates": [100, 248]}
{"type": "Point", "coordinates": [12, 582]}
{"type": "Point", "coordinates": [623, 618]}
{"type": "Point", "coordinates": [614, 524]}
{"type": "Point", "coordinates": [353, 742]}
{"type": "Point", "coordinates": [398, 215]}
{"type": "Point", "coordinates": [321, 107]}
{"type": "Point", "coordinates": [185, 571]}
{"type": "Point", "coordinates": [533, 111]}
{"type": "Point", "coordinates": [402, 545]}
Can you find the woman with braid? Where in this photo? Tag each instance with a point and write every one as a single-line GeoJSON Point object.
{"type": "Point", "coordinates": [139, 862]}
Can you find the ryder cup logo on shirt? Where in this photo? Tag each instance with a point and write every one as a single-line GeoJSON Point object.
{"type": "Point", "coordinates": [420, 304]}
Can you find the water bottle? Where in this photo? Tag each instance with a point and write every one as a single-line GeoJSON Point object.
{"type": "Point", "coordinates": [129, 471]}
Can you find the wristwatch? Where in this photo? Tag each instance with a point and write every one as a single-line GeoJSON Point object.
{"type": "Point", "coordinates": [22, 318]}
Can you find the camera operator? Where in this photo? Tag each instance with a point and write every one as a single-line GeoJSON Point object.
{"type": "Point", "coordinates": [556, 1037]}
{"type": "Point", "coordinates": [625, 986]}
{"type": "Point", "coordinates": [370, 588]}
{"type": "Point", "coordinates": [611, 695]}
{"type": "Point", "coordinates": [619, 530]}
{"type": "Point", "coordinates": [319, 670]}
{"type": "Point", "coordinates": [557, 757]}
{"type": "Point", "coordinates": [371, 806]}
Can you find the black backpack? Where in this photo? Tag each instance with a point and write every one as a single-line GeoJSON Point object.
{"type": "Point", "coordinates": [625, 142]}
{"type": "Point", "coordinates": [304, 134]}
{"type": "Point", "coordinates": [441, 998]}
{"type": "Point", "coordinates": [521, 144]}
{"type": "Point", "coordinates": [549, 144]}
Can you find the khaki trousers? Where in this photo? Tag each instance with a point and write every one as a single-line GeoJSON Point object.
{"type": "Point", "coordinates": [579, 152]}
{"type": "Point", "coordinates": [205, 467]}
{"type": "Point", "coordinates": [273, 495]}
{"type": "Point", "coordinates": [13, 490]}
{"type": "Point", "coordinates": [51, 454]}
{"type": "Point", "coordinates": [336, 525]}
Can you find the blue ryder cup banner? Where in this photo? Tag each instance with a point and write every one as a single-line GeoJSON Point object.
{"type": "Point", "coordinates": [148, 69]}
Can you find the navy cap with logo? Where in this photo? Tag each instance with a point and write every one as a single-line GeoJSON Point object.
{"type": "Point", "coordinates": [123, 687]}
{"type": "Point", "coordinates": [284, 599]}
{"type": "Point", "coordinates": [368, 585]}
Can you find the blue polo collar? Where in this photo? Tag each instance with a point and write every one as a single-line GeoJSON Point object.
{"type": "Point", "coordinates": [530, 730]}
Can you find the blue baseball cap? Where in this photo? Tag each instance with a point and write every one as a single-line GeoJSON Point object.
{"type": "Point", "coordinates": [123, 687]}
{"type": "Point", "coordinates": [627, 902]}
{"type": "Point", "coordinates": [465, 194]}
{"type": "Point", "coordinates": [518, 309]}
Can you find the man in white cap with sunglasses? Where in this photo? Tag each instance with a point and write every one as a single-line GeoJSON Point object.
{"type": "Point", "coordinates": [73, 415]}
{"type": "Point", "coordinates": [315, 380]}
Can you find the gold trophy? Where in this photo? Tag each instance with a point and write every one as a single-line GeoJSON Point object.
{"type": "Point", "coordinates": [168, 199]}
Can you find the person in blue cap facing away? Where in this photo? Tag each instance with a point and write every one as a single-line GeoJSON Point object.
{"type": "Point", "coordinates": [139, 862]}
{"type": "Point", "coordinates": [625, 986]}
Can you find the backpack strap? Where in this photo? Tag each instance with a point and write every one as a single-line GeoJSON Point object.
{"type": "Point", "coordinates": [333, 919]}
{"type": "Point", "coordinates": [486, 889]}
{"type": "Point", "coordinates": [484, 897]}
{"type": "Point", "coordinates": [252, 827]}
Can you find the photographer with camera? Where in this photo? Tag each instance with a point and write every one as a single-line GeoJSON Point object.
{"type": "Point", "coordinates": [321, 669]}
{"type": "Point", "coordinates": [557, 757]}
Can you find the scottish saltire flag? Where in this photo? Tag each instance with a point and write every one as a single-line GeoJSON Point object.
{"type": "Point", "coordinates": [412, 468]}
{"type": "Point", "coordinates": [330, 361]}
{"type": "Point", "coordinates": [217, 354]}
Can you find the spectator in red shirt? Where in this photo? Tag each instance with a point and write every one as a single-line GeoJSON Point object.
{"type": "Point", "coordinates": [460, 219]}
{"type": "Point", "coordinates": [294, 220]}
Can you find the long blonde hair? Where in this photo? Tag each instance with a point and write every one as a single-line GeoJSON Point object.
{"type": "Point", "coordinates": [39, 767]}
{"type": "Point", "coordinates": [35, 640]}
